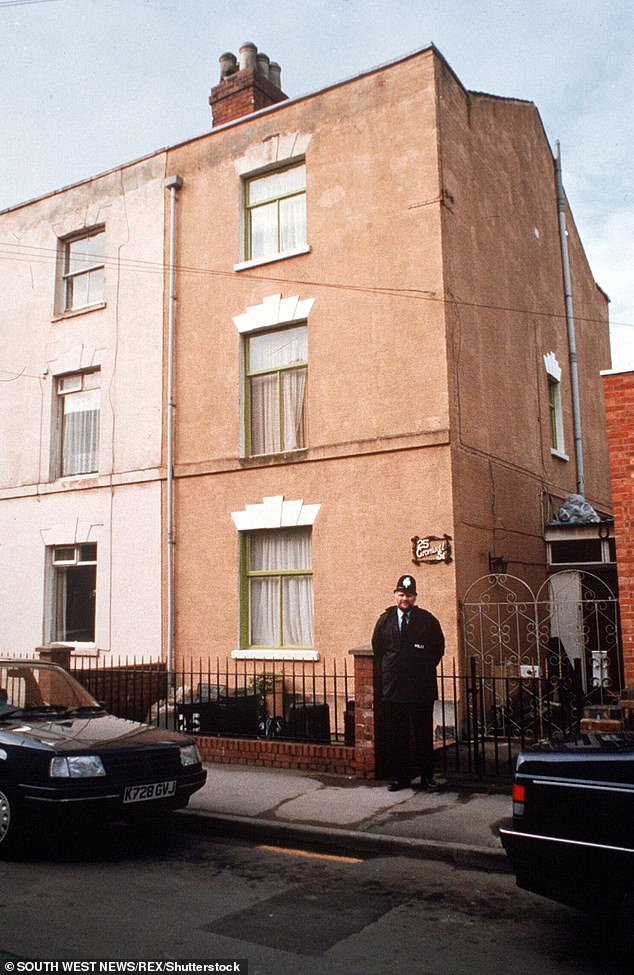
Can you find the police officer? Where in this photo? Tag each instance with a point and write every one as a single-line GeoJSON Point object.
{"type": "Point", "coordinates": [408, 643]}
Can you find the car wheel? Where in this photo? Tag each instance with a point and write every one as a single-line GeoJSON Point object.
{"type": "Point", "coordinates": [10, 821]}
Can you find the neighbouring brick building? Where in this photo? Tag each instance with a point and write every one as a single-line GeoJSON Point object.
{"type": "Point", "coordinates": [619, 398]}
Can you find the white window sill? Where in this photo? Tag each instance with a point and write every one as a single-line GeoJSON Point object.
{"type": "Point", "coordinates": [271, 258]}
{"type": "Point", "coordinates": [73, 312]}
{"type": "Point", "coordinates": [258, 654]}
{"type": "Point", "coordinates": [560, 454]}
{"type": "Point", "coordinates": [279, 455]}
{"type": "Point", "coordinates": [70, 480]}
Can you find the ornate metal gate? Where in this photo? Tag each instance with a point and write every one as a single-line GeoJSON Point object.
{"type": "Point", "coordinates": [540, 657]}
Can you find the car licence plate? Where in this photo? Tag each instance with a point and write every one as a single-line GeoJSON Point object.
{"type": "Point", "coordinates": [155, 790]}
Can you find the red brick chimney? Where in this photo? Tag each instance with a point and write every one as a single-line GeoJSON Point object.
{"type": "Point", "coordinates": [245, 87]}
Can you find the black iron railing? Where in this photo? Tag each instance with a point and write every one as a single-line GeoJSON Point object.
{"type": "Point", "coordinates": [482, 721]}
{"type": "Point", "coordinates": [296, 700]}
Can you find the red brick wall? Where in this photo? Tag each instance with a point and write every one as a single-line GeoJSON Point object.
{"type": "Point", "coordinates": [619, 400]}
{"type": "Point", "coordinates": [333, 759]}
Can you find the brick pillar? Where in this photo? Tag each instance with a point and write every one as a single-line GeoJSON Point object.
{"type": "Point", "coordinates": [619, 406]}
{"type": "Point", "coordinates": [364, 723]}
{"type": "Point", "coordinates": [55, 654]}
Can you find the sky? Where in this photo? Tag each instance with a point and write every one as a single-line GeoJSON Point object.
{"type": "Point", "coordinates": [88, 85]}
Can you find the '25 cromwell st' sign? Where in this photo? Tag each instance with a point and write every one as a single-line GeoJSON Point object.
{"type": "Point", "coordinates": [431, 548]}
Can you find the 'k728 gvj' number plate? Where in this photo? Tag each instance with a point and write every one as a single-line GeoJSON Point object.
{"type": "Point", "coordinates": [155, 790]}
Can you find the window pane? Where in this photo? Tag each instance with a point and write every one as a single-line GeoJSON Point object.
{"type": "Point", "coordinates": [292, 222]}
{"type": "Point", "coordinates": [275, 185]}
{"type": "Point", "coordinates": [96, 282]}
{"type": "Point", "coordinates": [274, 349]}
{"type": "Point", "coordinates": [264, 239]}
{"type": "Point", "coordinates": [88, 553]}
{"type": "Point", "coordinates": [70, 384]}
{"type": "Point", "coordinates": [297, 611]}
{"type": "Point", "coordinates": [285, 549]}
{"type": "Point", "coordinates": [75, 604]}
{"type": "Point", "coordinates": [77, 291]}
{"type": "Point", "coordinates": [293, 409]}
{"type": "Point", "coordinates": [80, 432]}
{"type": "Point", "coordinates": [64, 554]}
{"type": "Point", "coordinates": [265, 419]}
{"type": "Point", "coordinates": [265, 612]}
{"type": "Point", "coordinates": [85, 252]}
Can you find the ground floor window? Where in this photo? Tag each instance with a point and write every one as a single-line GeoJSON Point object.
{"type": "Point", "coordinates": [74, 590]}
{"type": "Point", "coordinates": [278, 588]}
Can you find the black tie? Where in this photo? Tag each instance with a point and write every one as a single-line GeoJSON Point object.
{"type": "Point", "coordinates": [403, 623]}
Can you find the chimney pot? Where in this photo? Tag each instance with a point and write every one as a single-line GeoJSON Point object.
{"type": "Point", "coordinates": [228, 64]}
{"type": "Point", "coordinates": [263, 64]}
{"type": "Point", "coordinates": [275, 74]}
{"type": "Point", "coordinates": [248, 56]}
{"type": "Point", "coordinates": [246, 86]}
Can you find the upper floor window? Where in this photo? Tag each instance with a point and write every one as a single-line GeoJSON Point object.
{"type": "Point", "coordinates": [78, 402]}
{"type": "Point", "coordinates": [275, 213]}
{"type": "Point", "coordinates": [555, 412]}
{"type": "Point", "coordinates": [82, 282]}
{"type": "Point", "coordinates": [276, 368]}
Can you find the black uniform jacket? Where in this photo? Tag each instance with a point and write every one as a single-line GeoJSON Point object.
{"type": "Point", "coordinates": [407, 665]}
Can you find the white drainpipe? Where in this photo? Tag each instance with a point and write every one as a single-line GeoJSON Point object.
{"type": "Point", "coordinates": [173, 184]}
{"type": "Point", "coordinates": [570, 319]}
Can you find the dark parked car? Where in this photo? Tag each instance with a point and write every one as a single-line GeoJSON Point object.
{"type": "Point", "coordinates": [572, 838]}
{"type": "Point", "coordinates": [61, 752]}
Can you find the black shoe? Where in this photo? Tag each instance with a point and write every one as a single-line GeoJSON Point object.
{"type": "Point", "coordinates": [397, 785]}
{"type": "Point", "coordinates": [430, 784]}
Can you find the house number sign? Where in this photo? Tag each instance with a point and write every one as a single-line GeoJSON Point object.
{"type": "Point", "coordinates": [431, 549]}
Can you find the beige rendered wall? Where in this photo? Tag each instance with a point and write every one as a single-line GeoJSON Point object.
{"type": "Point", "coordinates": [506, 310]}
{"type": "Point", "coordinates": [377, 459]}
{"type": "Point", "coordinates": [371, 506]}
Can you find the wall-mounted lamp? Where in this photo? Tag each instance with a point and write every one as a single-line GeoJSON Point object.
{"type": "Point", "coordinates": [498, 565]}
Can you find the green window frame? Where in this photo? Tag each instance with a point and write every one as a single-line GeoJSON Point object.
{"type": "Point", "coordinates": [275, 213]}
{"type": "Point", "coordinates": [276, 371]}
{"type": "Point", "coordinates": [277, 589]}
{"type": "Point", "coordinates": [555, 415]}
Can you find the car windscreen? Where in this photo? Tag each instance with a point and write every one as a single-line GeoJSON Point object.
{"type": "Point", "coordinates": [34, 686]}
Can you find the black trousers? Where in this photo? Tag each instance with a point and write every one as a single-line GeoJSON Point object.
{"type": "Point", "coordinates": [400, 721]}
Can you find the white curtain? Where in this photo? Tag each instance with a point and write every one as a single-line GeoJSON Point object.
{"type": "Point", "coordinates": [281, 606]}
{"type": "Point", "coordinates": [273, 351]}
{"type": "Point", "coordinates": [264, 231]}
{"type": "Point", "coordinates": [277, 220]}
{"type": "Point", "coordinates": [80, 432]}
{"type": "Point", "coordinates": [265, 614]}
{"type": "Point", "coordinates": [292, 222]}
{"type": "Point", "coordinates": [297, 611]}
{"type": "Point", "coordinates": [264, 415]}
{"type": "Point", "coordinates": [293, 426]}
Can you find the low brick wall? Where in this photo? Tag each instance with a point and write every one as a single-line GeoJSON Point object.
{"type": "Point", "coordinates": [356, 760]}
{"type": "Point", "coordinates": [333, 759]}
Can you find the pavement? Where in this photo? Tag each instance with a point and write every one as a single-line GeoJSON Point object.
{"type": "Point", "coordinates": [457, 824]}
